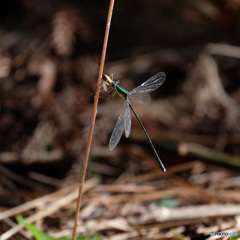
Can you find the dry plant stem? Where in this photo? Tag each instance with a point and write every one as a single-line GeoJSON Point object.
{"type": "Point", "coordinates": [36, 202]}
{"type": "Point", "coordinates": [50, 204]}
{"type": "Point", "coordinates": [93, 118]}
{"type": "Point", "coordinates": [201, 152]}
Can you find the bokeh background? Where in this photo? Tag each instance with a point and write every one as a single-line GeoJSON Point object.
{"type": "Point", "coordinates": [49, 60]}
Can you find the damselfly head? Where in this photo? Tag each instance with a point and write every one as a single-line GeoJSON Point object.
{"type": "Point", "coordinates": [117, 82]}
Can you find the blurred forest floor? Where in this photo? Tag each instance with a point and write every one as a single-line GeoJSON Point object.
{"type": "Point", "coordinates": [49, 60]}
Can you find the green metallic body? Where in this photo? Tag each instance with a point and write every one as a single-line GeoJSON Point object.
{"type": "Point", "coordinates": [121, 92]}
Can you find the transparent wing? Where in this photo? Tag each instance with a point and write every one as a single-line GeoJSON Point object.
{"type": "Point", "coordinates": [143, 98]}
{"type": "Point", "coordinates": [150, 85]}
{"type": "Point", "coordinates": [123, 123]}
{"type": "Point", "coordinates": [127, 119]}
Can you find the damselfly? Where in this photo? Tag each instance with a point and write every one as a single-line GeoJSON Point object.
{"type": "Point", "coordinates": [140, 94]}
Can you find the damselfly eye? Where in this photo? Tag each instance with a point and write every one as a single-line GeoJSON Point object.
{"type": "Point", "coordinates": [115, 83]}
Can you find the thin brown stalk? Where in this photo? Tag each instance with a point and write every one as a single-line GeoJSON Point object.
{"type": "Point", "coordinates": [93, 118]}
